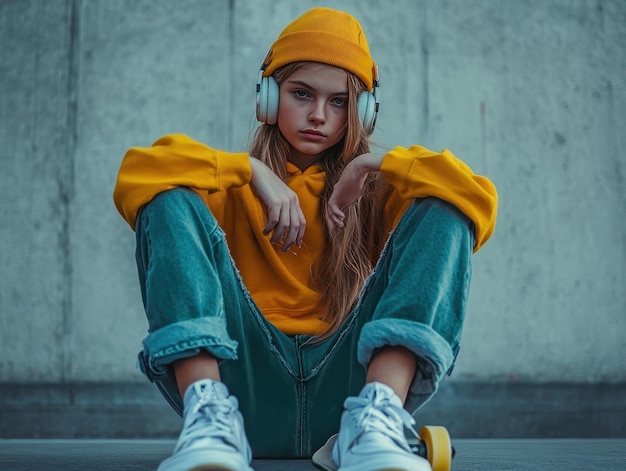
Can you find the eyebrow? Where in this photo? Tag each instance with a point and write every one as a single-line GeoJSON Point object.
{"type": "Point", "coordinates": [310, 87]}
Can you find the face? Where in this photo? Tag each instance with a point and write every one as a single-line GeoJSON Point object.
{"type": "Point", "coordinates": [313, 110]}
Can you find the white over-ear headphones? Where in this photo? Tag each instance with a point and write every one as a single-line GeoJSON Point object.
{"type": "Point", "coordinates": [267, 100]}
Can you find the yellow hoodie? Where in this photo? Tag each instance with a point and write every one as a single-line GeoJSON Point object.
{"type": "Point", "coordinates": [278, 281]}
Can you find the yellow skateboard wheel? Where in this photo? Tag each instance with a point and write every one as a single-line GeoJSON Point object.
{"type": "Point", "coordinates": [438, 447]}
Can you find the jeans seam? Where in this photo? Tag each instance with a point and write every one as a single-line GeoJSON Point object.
{"type": "Point", "coordinates": [347, 326]}
{"type": "Point", "coordinates": [260, 319]}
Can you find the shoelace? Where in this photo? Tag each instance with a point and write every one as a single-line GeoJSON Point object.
{"type": "Point", "coordinates": [211, 418]}
{"type": "Point", "coordinates": [380, 415]}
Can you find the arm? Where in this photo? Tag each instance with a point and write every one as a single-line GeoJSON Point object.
{"type": "Point", "coordinates": [282, 207]}
{"type": "Point", "coordinates": [417, 172]}
{"type": "Point", "coordinates": [348, 188]}
{"type": "Point", "coordinates": [174, 160]}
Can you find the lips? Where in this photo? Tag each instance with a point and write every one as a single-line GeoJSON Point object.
{"type": "Point", "coordinates": [313, 134]}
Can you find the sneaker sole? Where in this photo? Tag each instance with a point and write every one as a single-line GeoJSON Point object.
{"type": "Point", "coordinates": [322, 459]}
{"type": "Point", "coordinates": [188, 462]}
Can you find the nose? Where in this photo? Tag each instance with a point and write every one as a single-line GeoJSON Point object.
{"type": "Point", "coordinates": [317, 113]}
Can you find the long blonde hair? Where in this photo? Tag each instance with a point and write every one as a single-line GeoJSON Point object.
{"type": "Point", "coordinates": [341, 269]}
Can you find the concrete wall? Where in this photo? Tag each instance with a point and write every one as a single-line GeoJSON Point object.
{"type": "Point", "coordinates": [531, 94]}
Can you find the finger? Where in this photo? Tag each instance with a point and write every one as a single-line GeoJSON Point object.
{"type": "Point", "coordinates": [338, 217]}
{"type": "Point", "coordinates": [335, 211]}
{"type": "Point", "coordinates": [296, 223]}
{"type": "Point", "coordinates": [290, 238]}
{"type": "Point", "coordinates": [273, 216]}
{"type": "Point", "coordinates": [334, 218]}
{"type": "Point", "coordinates": [282, 226]}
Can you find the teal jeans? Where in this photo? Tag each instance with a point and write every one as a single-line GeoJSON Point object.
{"type": "Point", "coordinates": [290, 388]}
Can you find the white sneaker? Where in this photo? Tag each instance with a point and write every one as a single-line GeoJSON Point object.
{"type": "Point", "coordinates": [371, 436]}
{"type": "Point", "coordinates": [213, 436]}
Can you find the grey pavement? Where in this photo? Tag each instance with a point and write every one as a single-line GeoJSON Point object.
{"type": "Point", "coordinates": [472, 455]}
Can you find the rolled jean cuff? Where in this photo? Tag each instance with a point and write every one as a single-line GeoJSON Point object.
{"type": "Point", "coordinates": [184, 339]}
{"type": "Point", "coordinates": [434, 354]}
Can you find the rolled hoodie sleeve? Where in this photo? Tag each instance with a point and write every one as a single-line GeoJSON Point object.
{"type": "Point", "coordinates": [417, 172]}
{"type": "Point", "coordinates": [175, 160]}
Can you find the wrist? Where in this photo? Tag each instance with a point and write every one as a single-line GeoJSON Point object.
{"type": "Point", "coordinates": [369, 163]}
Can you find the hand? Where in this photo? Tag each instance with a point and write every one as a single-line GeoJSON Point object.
{"type": "Point", "coordinates": [284, 215]}
{"type": "Point", "coordinates": [349, 187]}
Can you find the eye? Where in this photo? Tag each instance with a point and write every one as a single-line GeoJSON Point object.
{"type": "Point", "coordinates": [301, 93]}
{"type": "Point", "coordinates": [340, 101]}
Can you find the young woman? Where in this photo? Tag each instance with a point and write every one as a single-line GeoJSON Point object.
{"type": "Point", "coordinates": [310, 284]}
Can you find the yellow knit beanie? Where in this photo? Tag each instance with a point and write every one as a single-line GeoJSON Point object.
{"type": "Point", "coordinates": [328, 36]}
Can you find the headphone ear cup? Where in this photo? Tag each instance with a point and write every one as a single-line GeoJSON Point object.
{"type": "Point", "coordinates": [267, 100]}
{"type": "Point", "coordinates": [272, 100]}
{"type": "Point", "coordinates": [366, 105]}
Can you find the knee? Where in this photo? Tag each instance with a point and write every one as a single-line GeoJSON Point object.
{"type": "Point", "coordinates": [174, 207]}
{"type": "Point", "coordinates": [441, 210]}
{"type": "Point", "coordinates": [174, 200]}
{"type": "Point", "coordinates": [443, 218]}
